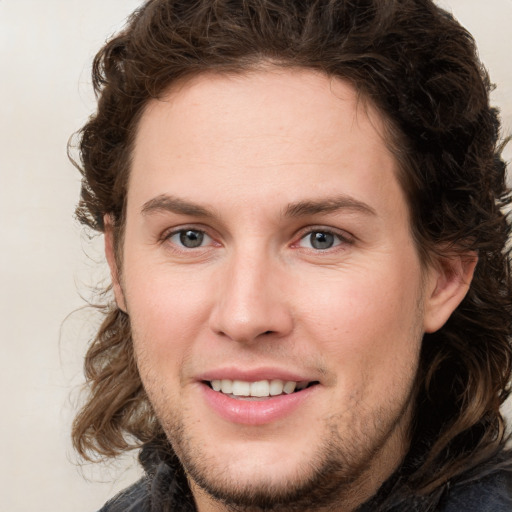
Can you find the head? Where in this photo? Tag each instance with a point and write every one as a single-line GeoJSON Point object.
{"type": "Point", "coordinates": [361, 252]}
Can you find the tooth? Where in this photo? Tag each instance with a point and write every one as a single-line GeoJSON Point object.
{"type": "Point", "coordinates": [276, 387]}
{"type": "Point", "coordinates": [241, 388]}
{"type": "Point", "coordinates": [260, 388]}
{"type": "Point", "coordinates": [227, 386]}
{"type": "Point", "coordinates": [289, 387]}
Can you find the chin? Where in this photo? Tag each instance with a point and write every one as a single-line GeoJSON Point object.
{"type": "Point", "coordinates": [284, 476]}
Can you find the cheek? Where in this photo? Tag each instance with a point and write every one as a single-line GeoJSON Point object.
{"type": "Point", "coordinates": [166, 313]}
{"type": "Point", "coordinates": [367, 324]}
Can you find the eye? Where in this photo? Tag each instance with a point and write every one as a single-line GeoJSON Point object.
{"type": "Point", "coordinates": [320, 240]}
{"type": "Point", "coordinates": [190, 238]}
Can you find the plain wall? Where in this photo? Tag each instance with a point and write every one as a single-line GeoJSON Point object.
{"type": "Point", "coordinates": [46, 48]}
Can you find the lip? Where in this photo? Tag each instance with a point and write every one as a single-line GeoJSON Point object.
{"type": "Point", "coordinates": [254, 412]}
{"type": "Point", "coordinates": [255, 375]}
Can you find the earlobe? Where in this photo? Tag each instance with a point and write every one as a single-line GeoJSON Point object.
{"type": "Point", "coordinates": [112, 263]}
{"type": "Point", "coordinates": [448, 284]}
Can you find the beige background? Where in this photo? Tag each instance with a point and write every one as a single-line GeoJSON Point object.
{"type": "Point", "coordinates": [46, 47]}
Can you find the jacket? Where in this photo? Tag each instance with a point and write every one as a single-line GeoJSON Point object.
{"type": "Point", "coordinates": [165, 489]}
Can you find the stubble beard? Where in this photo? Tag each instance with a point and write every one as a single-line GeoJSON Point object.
{"type": "Point", "coordinates": [332, 480]}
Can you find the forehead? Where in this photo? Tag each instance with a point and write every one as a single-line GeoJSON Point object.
{"type": "Point", "coordinates": [295, 131]}
{"type": "Point", "coordinates": [274, 101]}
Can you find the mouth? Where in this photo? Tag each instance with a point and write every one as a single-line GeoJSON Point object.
{"type": "Point", "coordinates": [257, 390]}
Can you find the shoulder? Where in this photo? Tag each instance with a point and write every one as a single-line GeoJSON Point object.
{"type": "Point", "coordinates": [489, 493]}
{"type": "Point", "coordinates": [132, 499]}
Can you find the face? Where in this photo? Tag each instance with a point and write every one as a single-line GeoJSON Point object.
{"type": "Point", "coordinates": [275, 294]}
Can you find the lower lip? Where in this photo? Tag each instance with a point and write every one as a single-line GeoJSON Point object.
{"type": "Point", "coordinates": [254, 412]}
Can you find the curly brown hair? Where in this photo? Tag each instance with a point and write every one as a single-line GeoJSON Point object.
{"type": "Point", "coordinates": [419, 68]}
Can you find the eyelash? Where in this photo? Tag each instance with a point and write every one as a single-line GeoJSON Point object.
{"type": "Point", "coordinates": [181, 231]}
{"type": "Point", "coordinates": [340, 238]}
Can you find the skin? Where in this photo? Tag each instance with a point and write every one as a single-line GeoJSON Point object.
{"type": "Point", "coordinates": [261, 156]}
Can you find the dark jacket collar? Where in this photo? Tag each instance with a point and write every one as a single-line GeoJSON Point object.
{"type": "Point", "coordinates": [484, 488]}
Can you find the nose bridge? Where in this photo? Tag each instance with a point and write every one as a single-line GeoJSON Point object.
{"type": "Point", "coordinates": [249, 300]}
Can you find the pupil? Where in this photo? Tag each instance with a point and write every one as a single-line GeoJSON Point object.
{"type": "Point", "coordinates": [191, 238]}
{"type": "Point", "coordinates": [320, 240]}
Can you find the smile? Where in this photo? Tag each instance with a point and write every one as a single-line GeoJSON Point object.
{"type": "Point", "coordinates": [257, 389]}
{"type": "Point", "coordinates": [257, 402]}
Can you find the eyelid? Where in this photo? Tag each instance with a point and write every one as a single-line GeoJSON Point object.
{"type": "Point", "coordinates": [170, 232]}
{"type": "Point", "coordinates": [341, 234]}
{"type": "Point", "coordinates": [166, 233]}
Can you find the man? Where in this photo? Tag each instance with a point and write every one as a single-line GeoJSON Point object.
{"type": "Point", "coordinates": [302, 204]}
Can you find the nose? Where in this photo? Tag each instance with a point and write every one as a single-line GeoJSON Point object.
{"type": "Point", "coordinates": [251, 300]}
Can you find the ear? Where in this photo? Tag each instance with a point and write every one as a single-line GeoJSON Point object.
{"type": "Point", "coordinates": [448, 282]}
{"type": "Point", "coordinates": [112, 262]}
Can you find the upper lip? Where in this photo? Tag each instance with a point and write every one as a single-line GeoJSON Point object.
{"type": "Point", "coordinates": [254, 375]}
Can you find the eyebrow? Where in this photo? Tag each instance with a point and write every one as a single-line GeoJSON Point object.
{"type": "Point", "coordinates": [328, 205]}
{"type": "Point", "coordinates": [167, 203]}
